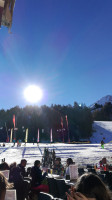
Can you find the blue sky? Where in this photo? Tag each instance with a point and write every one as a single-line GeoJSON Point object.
{"type": "Point", "coordinates": [63, 46]}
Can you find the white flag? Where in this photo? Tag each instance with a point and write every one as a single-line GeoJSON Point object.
{"type": "Point", "coordinates": [11, 135]}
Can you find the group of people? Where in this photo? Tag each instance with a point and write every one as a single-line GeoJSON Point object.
{"type": "Point", "coordinates": [22, 182]}
{"type": "Point", "coordinates": [32, 179]}
{"type": "Point", "coordinates": [48, 158]}
{"type": "Point", "coordinates": [88, 187]}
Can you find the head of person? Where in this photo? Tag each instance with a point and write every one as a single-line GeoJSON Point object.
{"type": "Point", "coordinates": [69, 161]}
{"type": "Point", "coordinates": [58, 161]}
{"type": "Point", "coordinates": [104, 161]}
{"type": "Point", "coordinates": [23, 162]}
{"type": "Point", "coordinates": [92, 187]}
{"type": "Point", "coordinates": [4, 166]}
{"type": "Point", "coordinates": [3, 186]}
{"type": "Point", "coordinates": [37, 163]}
{"type": "Point", "coordinates": [13, 165]}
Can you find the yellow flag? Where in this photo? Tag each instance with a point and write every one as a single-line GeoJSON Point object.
{"type": "Point", "coordinates": [26, 138]}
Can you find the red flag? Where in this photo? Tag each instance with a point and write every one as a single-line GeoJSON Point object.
{"type": "Point", "coordinates": [66, 120]}
{"type": "Point", "coordinates": [7, 140]}
{"type": "Point", "coordinates": [51, 136]}
{"type": "Point", "coordinates": [61, 122]}
{"type": "Point", "coordinates": [14, 120]}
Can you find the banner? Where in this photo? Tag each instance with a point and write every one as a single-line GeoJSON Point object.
{"type": "Point", "coordinates": [38, 135]}
{"type": "Point", "coordinates": [66, 120]}
{"type": "Point", "coordinates": [67, 127]}
{"type": "Point", "coordinates": [14, 120]}
{"type": "Point", "coordinates": [7, 140]}
{"type": "Point", "coordinates": [61, 122]}
{"type": "Point", "coordinates": [11, 135]}
{"type": "Point", "coordinates": [26, 138]}
{"type": "Point", "coordinates": [51, 136]}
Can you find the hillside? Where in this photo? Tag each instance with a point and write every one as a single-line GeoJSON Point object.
{"type": "Point", "coordinates": [102, 101]}
{"type": "Point", "coordinates": [101, 129]}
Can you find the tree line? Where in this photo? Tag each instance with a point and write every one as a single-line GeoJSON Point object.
{"type": "Point", "coordinates": [67, 122]}
{"type": "Point", "coordinates": [103, 113]}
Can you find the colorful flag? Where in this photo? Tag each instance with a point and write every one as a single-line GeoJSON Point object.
{"type": "Point", "coordinates": [51, 136]}
{"type": "Point", "coordinates": [14, 120]}
{"type": "Point", "coordinates": [26, 138]}
{"type": "Point", "coordinates": [38, 136]}
{"type": "Point", "coordinates": [7, 140]}
{"type": "Point", "coordinates": [66, 120]}
{"type": "Point", "coordinates": [67, 127]}
{"type": "Point", "coordinates": [61, 122]}
{"type": "Point", "coordinates": [11, 135]}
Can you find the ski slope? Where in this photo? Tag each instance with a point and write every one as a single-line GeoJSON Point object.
{"type": "Point", "coordinates": [101, 130]}
{"type": "Point", "coordinates": [81, 153]}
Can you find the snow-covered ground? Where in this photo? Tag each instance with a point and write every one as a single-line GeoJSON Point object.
{"type": "Point", "coordinates": [101, 130]}
{"type": "Point", "coordinates": [81, 153]}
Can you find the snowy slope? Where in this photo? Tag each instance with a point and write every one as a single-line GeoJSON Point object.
{"type": "Point", "coordinates": [80, 153]}
{"type": "Point", "coordinates": [101, 129]}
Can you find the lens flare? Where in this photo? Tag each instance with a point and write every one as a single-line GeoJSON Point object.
{"type": "Point", "coordinates": [33, 93]}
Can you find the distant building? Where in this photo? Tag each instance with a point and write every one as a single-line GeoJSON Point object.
{"type": "Point", "coordinates": [6, 12]}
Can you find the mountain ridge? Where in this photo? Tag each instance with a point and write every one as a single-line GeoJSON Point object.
{"type": "Point", "coordinates": [104, 100]}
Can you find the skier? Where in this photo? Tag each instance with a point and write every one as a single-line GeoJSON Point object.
{"type": "Point", "coordinates": [102, 144]}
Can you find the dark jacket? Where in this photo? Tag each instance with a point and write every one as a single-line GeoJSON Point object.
{"type": "Point", "coordinates": [22, 170]}
{"type": "Point", "coordinates": [16, 177]}
{"type": "Point", "coordinates": [37, 176]}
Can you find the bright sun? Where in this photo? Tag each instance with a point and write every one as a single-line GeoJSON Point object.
{"type": "Point", "coordinates": [33, 93]}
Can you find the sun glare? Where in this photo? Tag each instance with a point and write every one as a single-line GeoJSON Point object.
{"type": "Point", "coordinates": [33, 94]}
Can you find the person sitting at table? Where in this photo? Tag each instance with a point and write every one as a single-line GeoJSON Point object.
{"type": "Point", "coordinates": [21, 185]}
{"type": "Point", "coordinates": [38, 178]}
{"type": "Point", "coordinates": [4, 184]}
{"type": "Point", "coordinates": [22, 166]}
{"type": "Point", "coordinates": [89, 187]}
{"type": "Point", "coordinates": [58, 167]}
{"type": "Point", "coordinates": [103, 164]}
{"type": "Point", "coordinates": [12, 167]}
{"type": "Point", "coordinates": [69, 162]}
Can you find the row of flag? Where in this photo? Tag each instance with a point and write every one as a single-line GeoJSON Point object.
{"type": "Point", "coordinates": [26, 136]}
{"type": "Point", "coordinates": [38, 135]}
{"type": "Point", "coordinates": [62, 121]}
{"type": "Point", "coordinates": [14, 121]}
